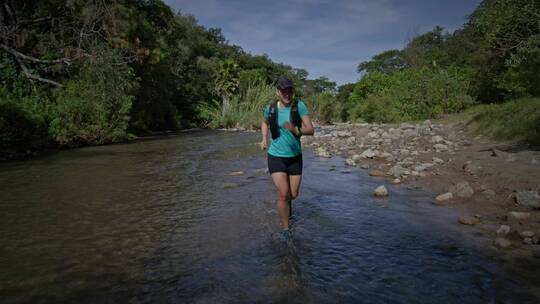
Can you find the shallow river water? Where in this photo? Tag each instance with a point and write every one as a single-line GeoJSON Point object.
{"type": "Point", "coordinates": [162, 221]}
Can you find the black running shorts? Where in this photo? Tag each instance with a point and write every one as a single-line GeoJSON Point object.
{"type": "Point", "coordinates": [289, 165]}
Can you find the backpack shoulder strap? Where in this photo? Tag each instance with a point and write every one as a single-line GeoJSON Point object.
{"type": "Point", "coordinates": [273, 120]}
{"type": "Point", "coordinates": [295, 115]}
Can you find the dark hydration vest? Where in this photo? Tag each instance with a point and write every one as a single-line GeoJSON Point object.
{"type": "Point", "coordinates": [273, 119]}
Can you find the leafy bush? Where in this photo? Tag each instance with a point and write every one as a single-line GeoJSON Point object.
{"type": "Point", "coordinates": [379, 108]}
{"type": "Point", "coordinates": [372, 84]}
{"type": "Point", "coordinates": [411, 95]}
{"type": "Point", "coordinates": [23, 128]}
{"type": "Point", "coordinates": [94, 108]}
{"type": "Point", "coordinates": [24, 113]}
{"type": "Point", "coordinates": [324, 107]}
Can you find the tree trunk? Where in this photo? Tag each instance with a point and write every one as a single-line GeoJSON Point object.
{"type": "Point", "coordinates": [226, 104]}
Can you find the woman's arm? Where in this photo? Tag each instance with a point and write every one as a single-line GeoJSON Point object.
{"type": "Point", "coordinates": [264, 131]}
{"type": "Point", "coordinates": [307, 126]}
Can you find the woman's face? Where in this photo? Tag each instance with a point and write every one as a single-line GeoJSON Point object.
{"type": "Point", "coordinates": [285, 95]}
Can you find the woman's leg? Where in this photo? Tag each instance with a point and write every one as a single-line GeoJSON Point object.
{"type": "Point", "coordinates": [294, 189]}
{"type": "Point", "coordinates": [294, 182]}
{"type": "Point", "coordinates": [281, 181]}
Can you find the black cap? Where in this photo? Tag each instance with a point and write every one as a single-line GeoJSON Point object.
{"type": "Point", "coordinates": [284, 83]}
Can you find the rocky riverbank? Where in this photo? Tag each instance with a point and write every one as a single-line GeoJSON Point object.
{"type": "Point", "coordinates": [495, 185]}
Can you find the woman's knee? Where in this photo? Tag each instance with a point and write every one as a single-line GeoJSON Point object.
{"type": "Point", "coordinates": [283, 196]}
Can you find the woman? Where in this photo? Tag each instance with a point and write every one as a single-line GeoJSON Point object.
{"type": "Point", "coordinates": [288, 120]}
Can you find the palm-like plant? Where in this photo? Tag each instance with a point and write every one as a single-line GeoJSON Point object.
{"type": "Point", "coordinates": [226, 81]}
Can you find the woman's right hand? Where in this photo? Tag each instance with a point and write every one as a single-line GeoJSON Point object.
{"type": "Point", "coordinates": [263, 145]}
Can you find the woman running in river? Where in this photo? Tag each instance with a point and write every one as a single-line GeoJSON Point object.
{"type": "Point", "coordinates": [288, 120]}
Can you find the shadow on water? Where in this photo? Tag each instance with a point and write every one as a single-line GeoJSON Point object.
{"type": "Point", "coordinates": [163, 220]}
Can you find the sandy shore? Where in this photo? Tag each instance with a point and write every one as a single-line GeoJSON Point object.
{"type": "Point", "coordinates": [494, 185]}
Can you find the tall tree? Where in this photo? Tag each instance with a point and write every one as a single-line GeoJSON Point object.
{"type": "Point", "coordinates": [386, 62]}
{"type": "Point", "coordinates": [226, 81]}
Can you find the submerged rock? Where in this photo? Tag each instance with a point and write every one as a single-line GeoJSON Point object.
{"type": "Point", "coordinates": [237, 173]}
{"type": "Point", "coordinates": [444, 197]}
{"type": "Point", "coordinates": [381, 191]}
{"type": "Point", "coordinates": [469, 220]}
{"type": "Point", "coordinates": [322, 152]}
{"type": "Point", "coordinates": [376, 172]}
{"type": "Point", "coordinates": [350, 162]}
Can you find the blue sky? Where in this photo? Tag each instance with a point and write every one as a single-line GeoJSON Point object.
{"type": "Point", "coordinates": [325, 37]}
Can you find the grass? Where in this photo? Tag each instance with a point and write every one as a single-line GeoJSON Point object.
{"type": "Point", "coordinates": [246, 109]}
{"type": "Point", "coordinates": [516, 120]}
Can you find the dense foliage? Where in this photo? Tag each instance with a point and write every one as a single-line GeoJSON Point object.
{"type": "Point", "coordinates": [76, 72]}
{"type": "Point", "coordinates": [494, 57]}
{"type": "Point", "coordinates": [410, 94]}
{"type": "Point", "coordinates": [79, 72]}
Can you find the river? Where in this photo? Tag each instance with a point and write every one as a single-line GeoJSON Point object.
{"type": "Point", "coordinates": [162, 220]}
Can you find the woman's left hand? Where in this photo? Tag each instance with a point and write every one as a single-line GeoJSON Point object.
{"type": "Point", "coordinates": [289, 126]}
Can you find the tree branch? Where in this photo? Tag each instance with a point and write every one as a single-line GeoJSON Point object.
{"type": "Point", "coordinates": [31, 76]}
{"type": "Point", "coordinates": [22, 56]}
{"type": "Point", "coordinates": [36, 20]}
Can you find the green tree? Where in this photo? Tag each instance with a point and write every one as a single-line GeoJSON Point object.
{"type": "Point", "coordinates": [428, 49]}
{"type": "Point", "coordinates": [226, 82]}
{"type": "Point", "coordinates": [386, 62]}
{"type": "Point", "coordinates": [319, 85]}
{"type": "Point", "coordinates": [512, 31]}
{"type": "Point", "coordinates": [342, 99]}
